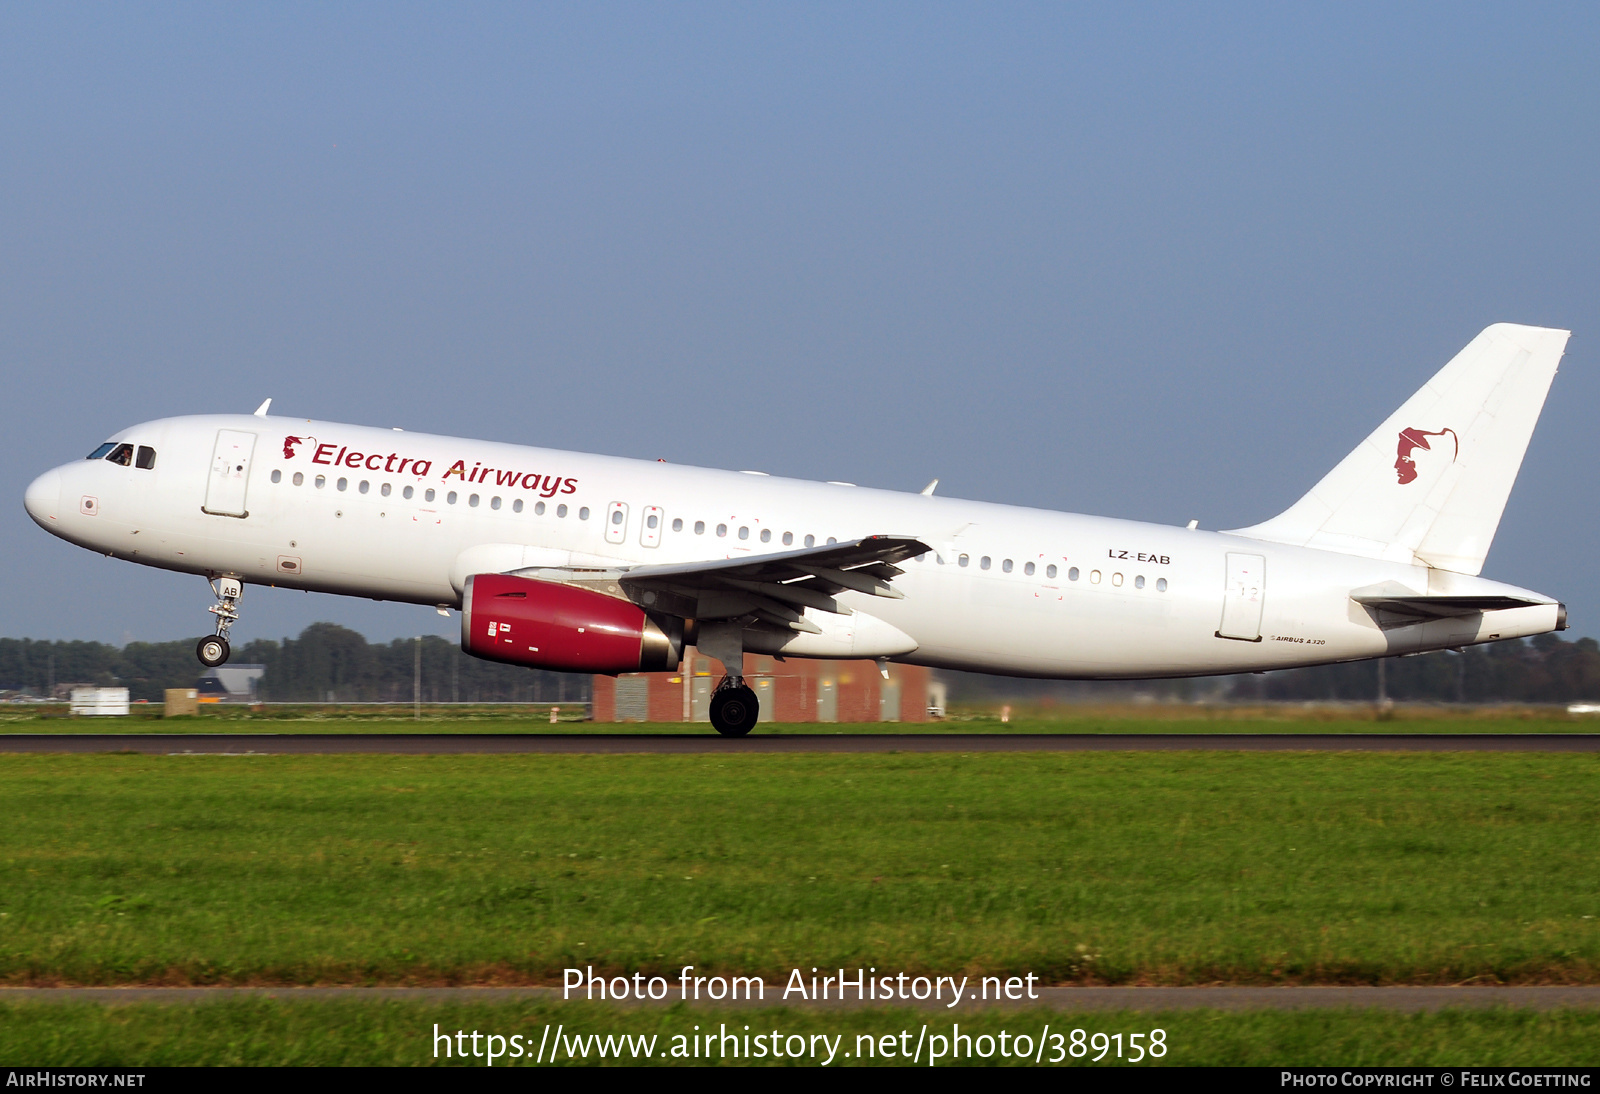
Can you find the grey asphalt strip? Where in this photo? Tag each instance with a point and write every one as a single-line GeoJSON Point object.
{"type": "Point", "coordinates": [1065, 999]}
{"type": "Point", "coordinates": [245, 744]}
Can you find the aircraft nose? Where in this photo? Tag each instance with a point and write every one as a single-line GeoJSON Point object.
{"type": "Point", "coordinates": [43, 498]}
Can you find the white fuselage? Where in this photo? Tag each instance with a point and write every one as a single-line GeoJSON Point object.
{"type": "Point", "coordinates": [1006, 589]}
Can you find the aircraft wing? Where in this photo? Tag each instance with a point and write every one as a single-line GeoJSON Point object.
{"type": "Point", "coordinates": [777, 588]}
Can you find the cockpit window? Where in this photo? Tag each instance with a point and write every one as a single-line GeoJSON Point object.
{"type": "Point", "coordinates": [146, 458]}
{"type": "Point", "coordinates": [100, 453]}
{"type": "Point", "coordinates": [122, 454]}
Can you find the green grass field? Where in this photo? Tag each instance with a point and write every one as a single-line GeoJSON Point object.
{"type": "Point", "coordinates": [264, 1032]}
{"type": "Point", "coordinates": [1108, 718]}
{"type": "Point", "coordinates": [1092, 868]}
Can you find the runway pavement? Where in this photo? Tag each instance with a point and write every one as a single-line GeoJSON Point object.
{"type": "Point", "coordinates": [708, 743]}
{"type": "Point", "coordinates": [1540, 997]}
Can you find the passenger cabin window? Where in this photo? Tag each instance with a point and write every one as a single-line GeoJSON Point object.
{"type": "Point", "coordinates": [983, 563]}
{"type": "Point", "coordinates": [677, 524]}
{"type": "Point", "coordinates": [788, 539]}
{"type": "Point", "coordinates": [1161, 584]}
{"type": "Point", "coordinates": [365, 486]}
{"type": "Point", "coordinates": [744, 533]}
{"type": "Point", "coordinates": [1006, 566]}
{"type": "Point", "coordinates": [699, 527]}
{"type": "Point", "coordinates": [429, 495]}
{"type": "Point", "coordinates": [649, 522]}
{"type": "Point", "coordinates": [1050, 570]}
{"type": "Point", "coordinates": [561, 511]}
{"type": "Point", "coordinates": [408, 492]}
{"type": "Point", "coordinates": [1072, 574]}
{"type": "Point", "coordinates": [538, 508]}
{"type": "Point", "coordinates": [766, 535]}
{"type": "Point", "coordinates": [322, 480]}
{"type": "Point", "coordinates": [385, 489]}
{"type": "Point", "coordinates": [616, 518]}
{"type": "Point", "coordinates": [516, 506]}
{"type": "Point", "coordinates": [473, 501]}
{"type": "Point", "coordinates": [100, 453]}
{"type": "Point", "coordinates": [299, 478]}
{"type": "Point", "coordinates": [494, 503]}
{"type": "Point", "coordinates": [583, 514]}
{"type": "Point", "coordinates": [342, 484]}
{"type": "Point", "coordinates": [146, 459]}
{"type": "Point", "coordinates": [811, 541]}
{"type": "Point", "coordinates": [1138, 582]}
{"type": "Point", "coordinates": [1027, 568]}
{"type": "Point", "coordinates": [722, 529]}
{"type": "Point", "coordinates": [277, 476]}
{"type": "Point", "coordinates": [450, 498]}
{"type": "Point", "coordinates": [1094, 577]}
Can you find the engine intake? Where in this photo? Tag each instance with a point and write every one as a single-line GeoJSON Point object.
{"type": "Point", "coordinates": [546, 625]}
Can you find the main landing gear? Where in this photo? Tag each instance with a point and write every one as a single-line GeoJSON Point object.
{"type": "Point", "coordinates": [734, 707]}
{"type": "Point", "coordinates": [214, 649]}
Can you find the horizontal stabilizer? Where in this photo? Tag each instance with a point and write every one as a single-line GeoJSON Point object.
{"type": "Point", "coordinates": [1441, 607]}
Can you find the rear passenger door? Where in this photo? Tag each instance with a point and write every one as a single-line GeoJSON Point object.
{"type": "Point", "coordinates": [1243, 596]}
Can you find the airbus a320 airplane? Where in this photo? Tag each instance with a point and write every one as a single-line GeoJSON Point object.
{"type": "Point", "coordinates": [594, 564]}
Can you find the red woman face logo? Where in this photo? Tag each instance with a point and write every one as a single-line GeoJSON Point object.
{"type": "Point", "coordinates": [1413, 439]}
{"type": "Point", "coordinates": [288, 446]}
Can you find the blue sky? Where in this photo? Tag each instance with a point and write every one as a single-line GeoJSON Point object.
{"type": "Point", "coordinates": [1151, 261]}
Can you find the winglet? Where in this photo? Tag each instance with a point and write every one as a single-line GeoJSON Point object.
{"type": "Point", "coordinates": [927, 491]}
{"type": "Point", "coordinates": [261, 411]}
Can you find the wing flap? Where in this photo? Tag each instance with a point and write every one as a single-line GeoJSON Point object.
{"type": "Point", "coordinates": [779, 586]}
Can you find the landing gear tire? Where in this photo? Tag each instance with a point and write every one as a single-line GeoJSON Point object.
{"type": "Point", "coordinates": [212, 650]}
{"type": "Point", "coordinates": [734, 711]}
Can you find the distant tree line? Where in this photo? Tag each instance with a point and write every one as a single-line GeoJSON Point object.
{"type": "Point", "coordinates": [330, 663]}
{"type": "Point", "coordinates": [327, 663]}
{"type": "Point", "coordinates": [1546, 669]}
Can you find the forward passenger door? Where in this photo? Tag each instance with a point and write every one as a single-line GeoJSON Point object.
{"type": "Point", "coordinates": [230, 474]}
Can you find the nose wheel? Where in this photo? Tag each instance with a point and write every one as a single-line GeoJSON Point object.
{"type": "Point", "coordinates": [214, 649]}
{"type": "Point", "coordinates": [734, 708]}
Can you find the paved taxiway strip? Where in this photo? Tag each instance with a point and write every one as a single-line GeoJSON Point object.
{"type": "Point", "coordinates": [246, 744]}
{"type": "Point", "coordinates": [1540, 997]}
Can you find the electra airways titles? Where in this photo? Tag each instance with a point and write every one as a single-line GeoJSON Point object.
{"type": "Point", "coordinates": [584, 563]}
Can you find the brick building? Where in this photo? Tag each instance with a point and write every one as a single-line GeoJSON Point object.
{"type": "Point", "coordinates": [795, 690]}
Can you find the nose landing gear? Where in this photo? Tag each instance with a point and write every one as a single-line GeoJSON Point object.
{"type": "Point", "coordinates": [213, 650]}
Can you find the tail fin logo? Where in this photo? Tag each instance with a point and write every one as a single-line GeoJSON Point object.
{"type": "Point", "coordinates": [1413, 439]}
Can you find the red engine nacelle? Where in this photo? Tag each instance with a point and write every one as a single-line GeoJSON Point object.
{"type": "Point", "coordinates": [546, 625]}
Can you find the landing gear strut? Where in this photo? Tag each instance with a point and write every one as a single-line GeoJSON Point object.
{"type": "Point", "coordinates": [734, 707]}
{"type": "Point", "coordinates": [213, 650]}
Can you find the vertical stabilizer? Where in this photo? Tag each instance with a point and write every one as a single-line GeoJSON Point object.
{"type": "Point", "coordinates": [1429, 485]}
